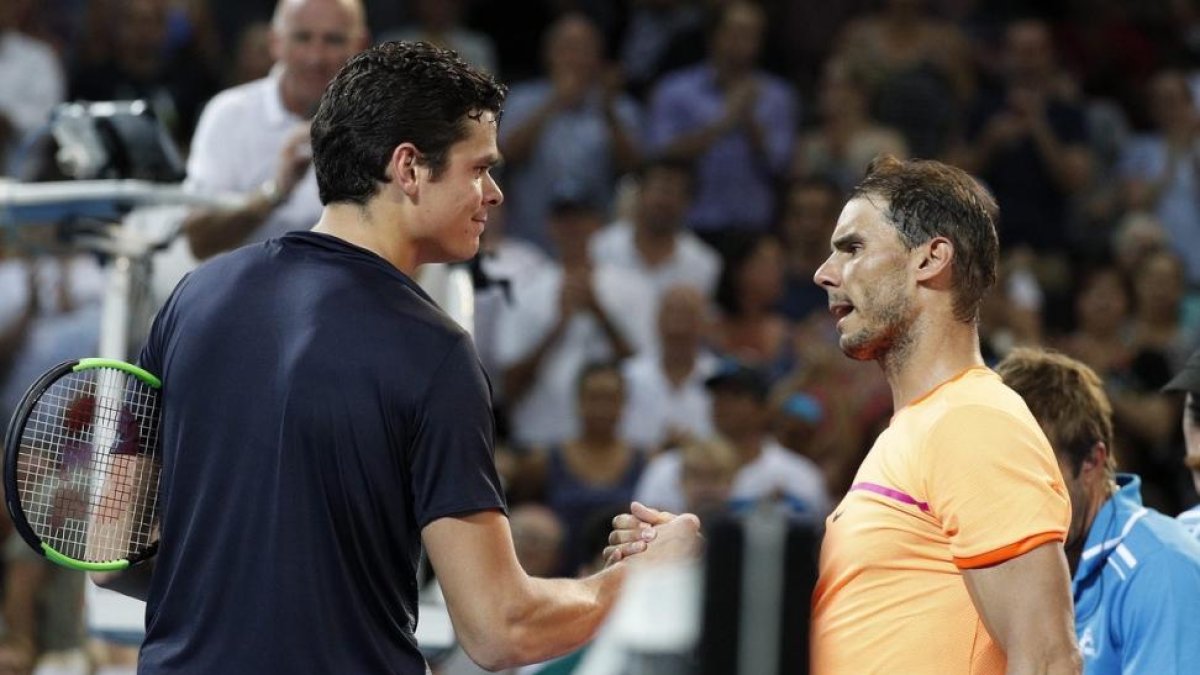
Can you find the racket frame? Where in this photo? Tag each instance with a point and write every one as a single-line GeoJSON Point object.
{"type": "Point", "coordinates": [12, 448]}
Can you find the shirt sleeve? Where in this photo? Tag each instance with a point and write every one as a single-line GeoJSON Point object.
{"type": "Point", "coordinates": [1156, 614]}
{"type": "Point", "coordinates": [994, 483]}
{"type": "Point", "coordinates": [452, 465]}
{"type": "Point", "coordinates": [669, 117]}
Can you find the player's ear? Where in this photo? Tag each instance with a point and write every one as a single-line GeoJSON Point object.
{"type": "Point", "coordinates": [936, 257]}
{"type": "Point", "coordinates": [404, 168]}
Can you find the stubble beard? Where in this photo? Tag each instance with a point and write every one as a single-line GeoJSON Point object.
{"type": "Point", "coordinates": [887, 337]}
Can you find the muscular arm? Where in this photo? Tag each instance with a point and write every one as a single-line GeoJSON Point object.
{"type": "Point", "coordinates": [502, 616]}
{"type": "Point", "coordinates": [1025, 603]}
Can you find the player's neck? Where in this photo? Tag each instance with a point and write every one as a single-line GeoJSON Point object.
{"type": "Point", "coordinates": [933, 356]}
{"type": "Point", "coordinates": [362, 226]}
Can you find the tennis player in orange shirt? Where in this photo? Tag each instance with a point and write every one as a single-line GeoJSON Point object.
{"type": "Point", "coordinates": [946, 555]}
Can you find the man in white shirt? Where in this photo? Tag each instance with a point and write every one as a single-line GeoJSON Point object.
{"type": "Point", "coordinates": [563, 317]}
{"type": "Point", "coordinates": [654, 244]}
{"type": "Point", "coordinates": [31, 84]}
{"type": "Point", "coordinates": [741, 415]}
{"type": "Point", "coordinates": [667, 400]}
{"type": "Point", "coordinates": [253, 138]}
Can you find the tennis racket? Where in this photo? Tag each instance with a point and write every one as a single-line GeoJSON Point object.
{"type": "Point", "coordinates": [81, 465]}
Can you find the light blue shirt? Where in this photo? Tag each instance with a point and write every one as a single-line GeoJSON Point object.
{"type": "Point", "coordinates": [1178, 206]}
{"type": "Point", "coordinates": [1137, 590]}
{"type": "Point", "coordinates": [1190, 520]}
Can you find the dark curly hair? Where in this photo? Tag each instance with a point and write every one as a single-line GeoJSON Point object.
{"type": "Point", "coordinates": [393, 93]}
{"type": "Point", "coordinates": [927, 199]}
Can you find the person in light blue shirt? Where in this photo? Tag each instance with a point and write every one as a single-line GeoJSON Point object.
{"type": "Point", "coordinates": [1188, 382]}
{"type": "Point", "coordinates": [1136, 572]}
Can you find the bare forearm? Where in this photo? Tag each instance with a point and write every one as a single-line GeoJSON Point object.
{"type": "Point", "coordinates": [24, 580]}
{"type": "Point", "coordinates": [134, 582]}
{"type": "Point", "coordinates": [561, 615]}
{"type": "Point", "coordinates": [1068, 170]}
{"type": "Point", "coordinates": [213, 232]}
{"type": "Point", "coordinates": [1067, 662]}
{"type": "Point", "coordinates": [691, 145]}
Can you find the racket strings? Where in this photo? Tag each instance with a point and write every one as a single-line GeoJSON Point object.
{"type": "Point", "coordinates": [89, 470]}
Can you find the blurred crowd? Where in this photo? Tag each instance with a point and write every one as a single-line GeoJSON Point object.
{"type": "Point", "coordinates": [673, 170]}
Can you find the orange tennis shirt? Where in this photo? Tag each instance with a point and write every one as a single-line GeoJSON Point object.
{"type": "Point", "coordinates": [961, 478]}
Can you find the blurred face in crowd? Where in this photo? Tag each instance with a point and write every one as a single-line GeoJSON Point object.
{"type": "Point", "coordinates": [1029, 48]}
{"type": "Point", "coordinates": [537, 539]}
{"type": "Point", "coordinates": [1158, 283]}
{"type": "Point", "coordinates": [681, 319]}
{"type": "Point", "coordinates": [601, 400]}
{"type": "Point", "coordinates": [571, 230]}
{"type": "Point", "coordinates": [574, 47]}
{"type": "Point", "coordinates": [1171, 101]}
{"type": "Point", "coordinates": [737, 40]}
{"type": "Point", "coordinates": [709, 468]}
{"type": "Point", "coordinates": [809, 217]}
{"type": "Point", "coordinates": [738, 415]}
{"type": "Point", "coordinates": [312, 40]}
{"type": "Point", "coordinates": [868, 282]}
{"type": "Point", "coordinates": [663, 199]}
{"type": "Point", "coordinates": [760, 280]}
{"type": "Point", "coordinates": [839, 93]}
{"type": "Point", "coordinates": [1103, 303]}
{"type": "Point", "coordinates": [143, 32]}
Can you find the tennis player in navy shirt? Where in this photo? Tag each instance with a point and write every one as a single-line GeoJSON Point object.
{"type": "Point", "coordinates": [323, 419]}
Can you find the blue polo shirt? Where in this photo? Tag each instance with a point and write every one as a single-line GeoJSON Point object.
{"type": "Point", "coordinates": [1137, 590]}
{"type": "Point", "coordinates": [319, 410]}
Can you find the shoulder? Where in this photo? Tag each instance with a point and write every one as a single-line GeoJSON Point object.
{"type": "Point", "coordinates": [239, 102]}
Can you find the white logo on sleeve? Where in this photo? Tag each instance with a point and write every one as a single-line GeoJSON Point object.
{"type": "Point", "coordinates": [1087, 644]}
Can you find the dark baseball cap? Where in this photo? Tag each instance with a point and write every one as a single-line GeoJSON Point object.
{"type": "Point", "coordinates": [737, 378]}
{"type": "Point", "coordinates": [1187, 379]}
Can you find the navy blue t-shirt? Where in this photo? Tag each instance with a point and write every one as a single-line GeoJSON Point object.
{"type": "Point", "coordinates": [318, 411]}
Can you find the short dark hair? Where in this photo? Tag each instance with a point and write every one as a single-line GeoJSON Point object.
{"type": "Point", "coordinates": [393, 93]}
{"type": "Point", "coordinates": [928, 199]}
{"type": "Point", "coordinates": [1067, 398]}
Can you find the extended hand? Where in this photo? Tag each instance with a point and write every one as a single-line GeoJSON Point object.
{"type": "Point", "coordinates": [660, 534]}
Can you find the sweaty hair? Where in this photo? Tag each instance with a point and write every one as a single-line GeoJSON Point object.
{"type": "Point", "coordinates": [1067, 398]}
{"type": "Point", "coordinates": [393, 93]}
{"type": "Point", "coordinates": [927, 199]}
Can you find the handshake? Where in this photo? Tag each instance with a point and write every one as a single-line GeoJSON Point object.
{"type": "Point", "coordinates": [652, 536]}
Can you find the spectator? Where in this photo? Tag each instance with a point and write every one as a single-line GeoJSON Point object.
{"type": "Point", "coordinates": [917, 71]}
{"type": "Point", "coordinates": [1160, 168]}
{"type": "Point", "coordinates": [847, 138]}
{"type": "Point", "coordinates": [652, 28]}
{"type": "Point", "coordinates": [751, 328]}
{"type": "Point", "coordinates": [253, 138]}
{"type": "Point", "coordinates": [593, 471]}
{"type": "Point", "coordinates": [43, 614]}
{"type": "Point", "coordinates": [654, 246]}
{"type": "Point", "coordinates": [1028, 143]}
{"type": "Point", "coordinates": [439, 22]}
{"type": "Point", "coordinates": [709, 468]}
{"type": "Point", "coordinates": [737, 123]}
{"type": "Point", "coordinates": [1136, 572]}
{"type": "Point", "coordinates": [568, 135]}
{"type": "Point", "coordinates": [538, 539]}
{"type": "Point", "coordinates": [566, 315]}
{"type": "Point", "coordinates": [668, 402]}
{"type": "Point", "coordinates": [1158, 292]}
{"type": "Point", "coordinates": [741, 415]}
{"type": "Point", "coordinates": [31, 84]}
{"type": "Point", "coordinates": [810, 212]}
{"type": "Point", "coordinates": [1143, 417]}
{"type": "Point", "coordinates": [1187, 381]}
